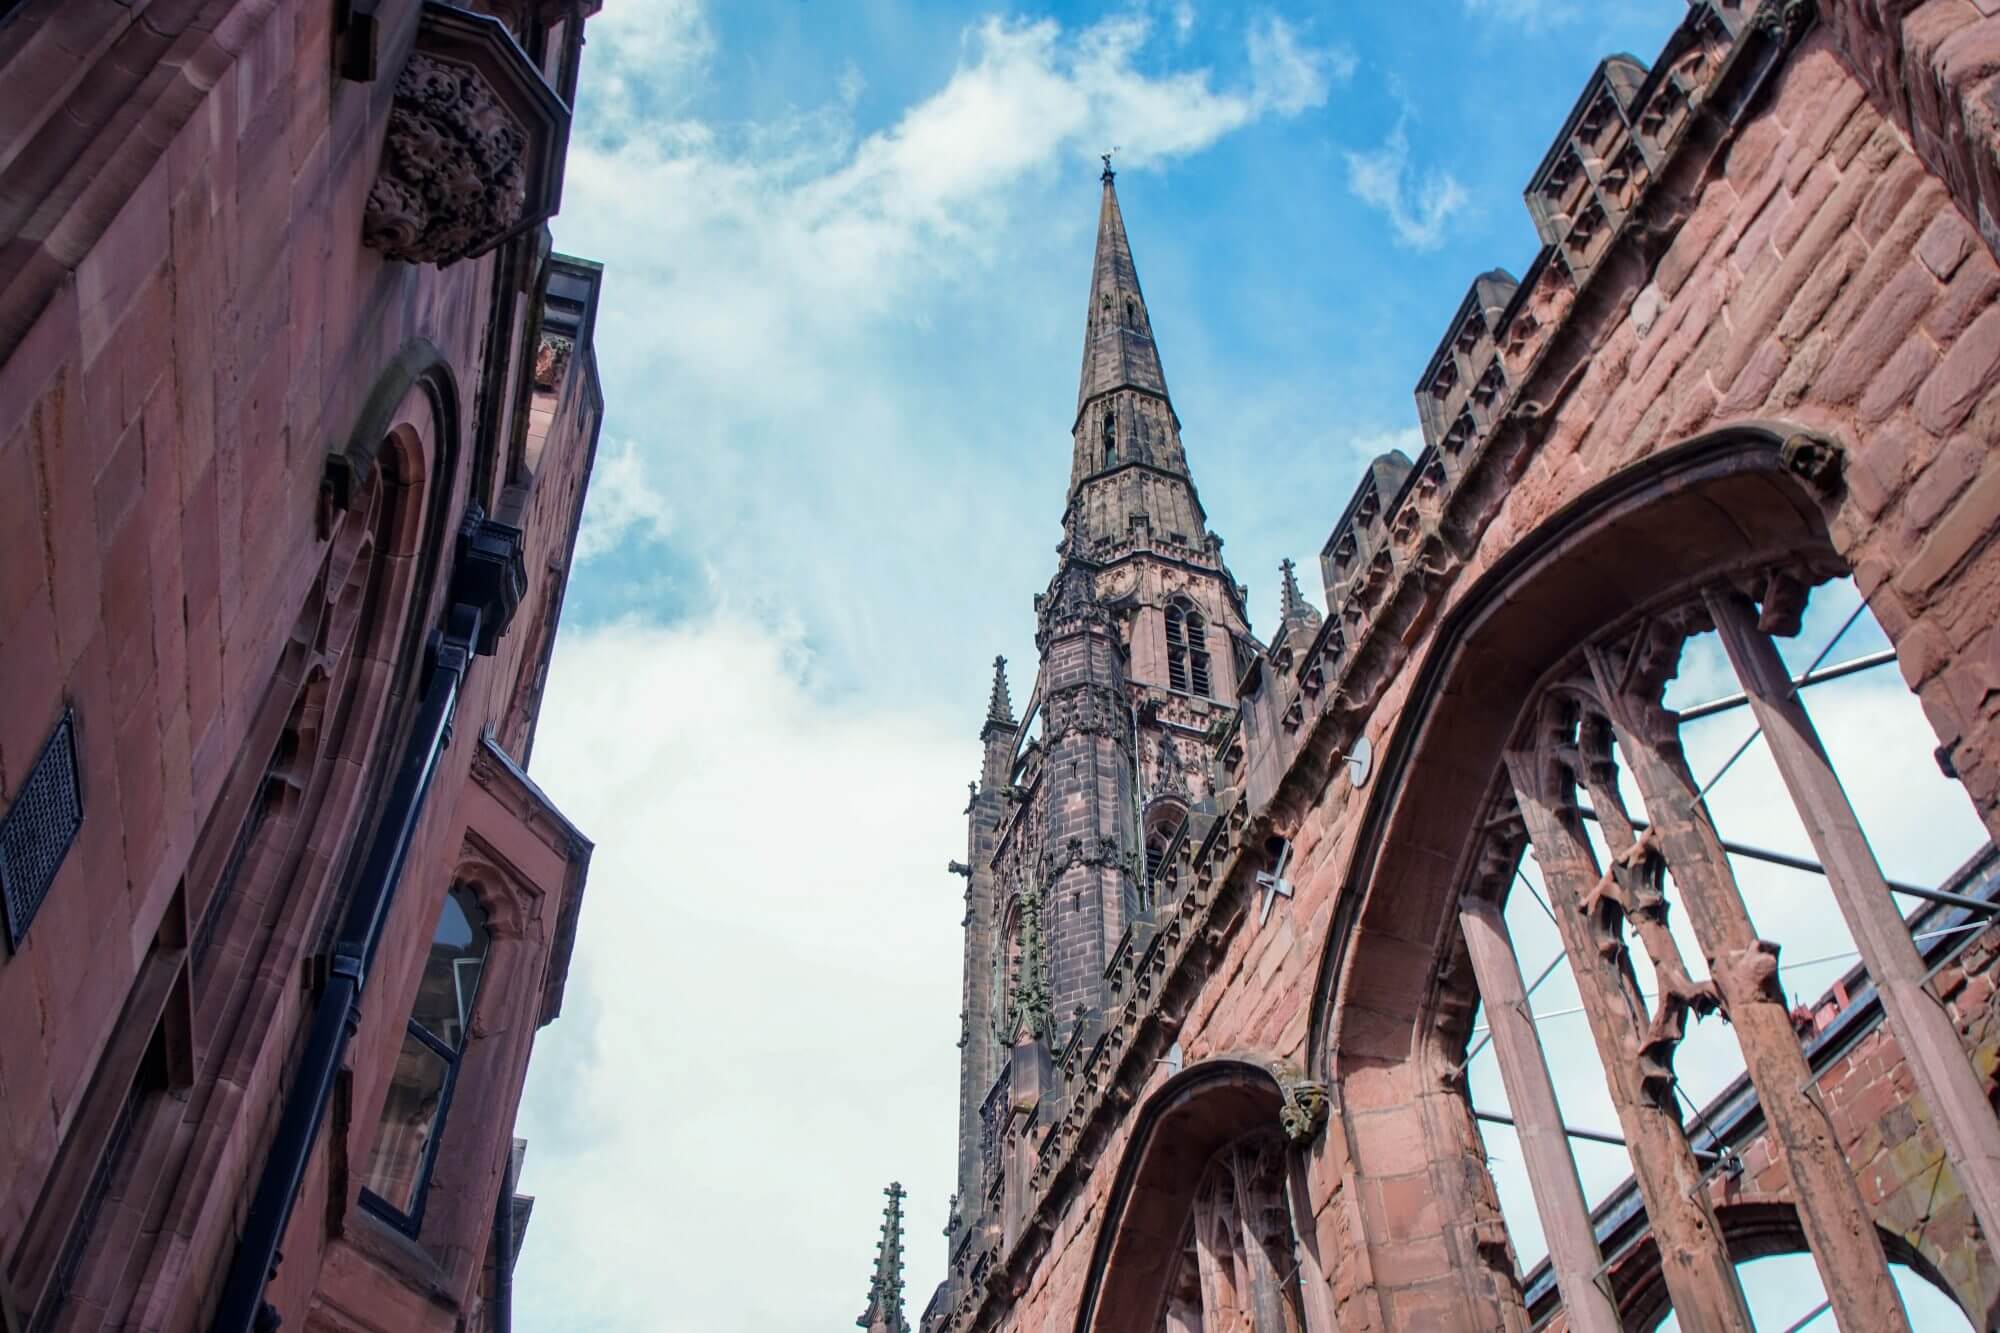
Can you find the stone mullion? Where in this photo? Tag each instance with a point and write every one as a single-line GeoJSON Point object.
{"type": "Point", "coordinates": [1217, 1285]}
{"type": "Point", "coordinates": [1695, 1264]}
{"type": "Point", "coordinates": [1842, 1237]}
{"type": "Point", "coordinates": [1634, 884]}
{"type": "Point", "coordinates": [1531, 1095]}
{"type": "Point", "coordinates": [1923, 1029]}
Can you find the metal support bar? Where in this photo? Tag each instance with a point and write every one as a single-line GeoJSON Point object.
{"type": "Point", "coordinates": [1702, 1155]}
{"type": "Point", "coordinates": [1790, 862]}
{"type": "Point", "coordinates": [1729, 702]}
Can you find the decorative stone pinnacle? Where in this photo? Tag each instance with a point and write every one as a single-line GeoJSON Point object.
{"type": "Point", "coordinates": [1293, 608]}
{"type": "Point", "coordinates": [885, 1290]}
{"type": "Point", "coordinates": [1000, 706]}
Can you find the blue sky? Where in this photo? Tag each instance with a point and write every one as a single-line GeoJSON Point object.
{"type": "Point", "coordinates": [847, 250]}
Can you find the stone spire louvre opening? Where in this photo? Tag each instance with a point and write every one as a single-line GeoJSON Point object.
{"type": "Point", "coordinates": [1118, 347]}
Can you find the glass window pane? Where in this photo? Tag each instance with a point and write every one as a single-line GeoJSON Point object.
{"type": "Point", "coordinates": [409, 1119]}
{"type": "Point", "coordinates": [451, 972]}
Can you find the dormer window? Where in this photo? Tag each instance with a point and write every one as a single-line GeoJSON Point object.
{"type": "Point", "coordinates": [1187, 649]}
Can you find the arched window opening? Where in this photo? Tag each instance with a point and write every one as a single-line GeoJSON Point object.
{"type": "Point", "coordinates": [1784, 1291]}
{"type": "Point", "coordinates": [1237, 1271]}
{"type": "Point", "coordinates": [1599, 930]}
{"type": "Point", "coordinates": [1187, 649]}
{"type": "Point", "coordinates": [427, 1065]}
{"type": "Point", "coordinates": [1110, 439]}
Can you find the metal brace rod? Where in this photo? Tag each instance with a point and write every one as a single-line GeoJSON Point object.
{"type": "Point", "coordinates": [1813, 867]}
{"type": "Point", "coordinates": [1592, 1135]}
{"type": "Point", "coordinates": [1732, 701]}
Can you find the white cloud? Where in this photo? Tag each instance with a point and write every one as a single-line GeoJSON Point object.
{"type": "Point", "coordinates": [753, 1042]}
{"type": "Point", "coordinates": [1291, 78]}
{"type": "Point", "coordinates": [623, 505]}
{"type": "Point", "coordinates": [1183, 20]}
{"type": "Point", "coordinates": [1418, 206]}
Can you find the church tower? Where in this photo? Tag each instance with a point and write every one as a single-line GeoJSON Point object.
{"type": "Point", "coordinates": [1140, 634]}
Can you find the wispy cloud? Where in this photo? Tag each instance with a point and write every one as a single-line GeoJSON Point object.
{"type": "Point", "coordinates": [1418, 204]}
{"type": "Point", "coordinates": [624, 506]}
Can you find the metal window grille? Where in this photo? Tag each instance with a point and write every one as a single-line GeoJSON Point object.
{"type": "Point", "coordinates": [38, 829]}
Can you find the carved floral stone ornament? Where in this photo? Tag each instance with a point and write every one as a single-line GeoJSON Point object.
{"type": "Point", "coordinates": [1305, 1103]}
{"type": "Point", "coordinates": [474, 149]}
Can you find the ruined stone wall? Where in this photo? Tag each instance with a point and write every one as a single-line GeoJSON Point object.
{"type": "Point", "coordinates": [1777, 253]}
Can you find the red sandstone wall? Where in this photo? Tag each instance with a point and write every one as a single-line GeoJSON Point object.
{"type": "Point", "coordinates": [164, 426]}
{"type": "Point", "coordinates": [1824, 277]}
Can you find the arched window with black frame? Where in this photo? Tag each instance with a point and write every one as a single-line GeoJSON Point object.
{"type": "Point", "coordinates": [427, 1066]}
{"type": "Point", "coordinates": [1187, 649]}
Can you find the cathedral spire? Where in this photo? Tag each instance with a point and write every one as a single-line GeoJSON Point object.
{"type": "Point", "coordinates": [885, 1290]}
{"type": "Point", "coordinates": [1118, 350]}
{"type": "Point", "coordinates": [1000, 707]}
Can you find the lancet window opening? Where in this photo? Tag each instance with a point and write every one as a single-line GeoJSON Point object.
{"type": "Point", "coordinates": [1187, 649]}
{"type": "Point", "coordinates": [427, 1065]}
{"type": "Point", "coordinates": [1613, 811]}
{"type": "Point", "coordinates": [1110, 437]}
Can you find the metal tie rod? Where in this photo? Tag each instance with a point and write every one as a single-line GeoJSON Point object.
{"type": "Point", "coordinates": [1593, 1135]}
{"type": "Point", "coordinates": [1730, 701]}
{"type": "Point", "coordinates": [1765, 854]}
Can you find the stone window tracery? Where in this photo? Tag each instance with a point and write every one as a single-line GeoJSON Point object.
{"type": "Point", "coordinates": [1237, 1271]}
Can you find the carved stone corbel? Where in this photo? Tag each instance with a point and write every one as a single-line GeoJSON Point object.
{"type": "Point", "coordinates": [1305, 1105]}
{"type": "Point", "coordinates": [474, 148]}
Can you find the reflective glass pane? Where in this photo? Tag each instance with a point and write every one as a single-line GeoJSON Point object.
{"type": "Point", "coordinates": [451, 972]}
{"type": "Point", "coordinates": [409, 1119]}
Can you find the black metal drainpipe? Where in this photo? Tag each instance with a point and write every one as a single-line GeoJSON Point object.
{"type": "Point", "coordinates": [503, 1250]}
{"type": "Point", "coordinates": [338, 1013]}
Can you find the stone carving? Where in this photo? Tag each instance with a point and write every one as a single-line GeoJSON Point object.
{"type": "Point", "coordinates": [1818, 461]}
{"type": "Point", "coordinates": [552, 360]}
{"type": "Point", "coordinates": [1786, 20]}
{"type": "Point", "coordinates": [1305, 1103]}
{"type": "Point", "coordinates": [452, 179]}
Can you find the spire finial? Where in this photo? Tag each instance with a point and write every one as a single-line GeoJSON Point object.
{"type": "Point", "coordinates": [1108, 172]}
{"type": "Point", "coordinates": [1000, 705]}
{"type": "Point", "coordinates": [885, 1290]}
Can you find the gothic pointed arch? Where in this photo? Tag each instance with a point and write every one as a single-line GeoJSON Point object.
{"type": "Point", "coordinates": [1395, 995]}
{"type": "Point", "coordinates": [1201, 1212]}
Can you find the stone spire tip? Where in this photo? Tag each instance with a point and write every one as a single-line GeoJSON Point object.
{"type": "Point", "coordinates": [1000, 705]}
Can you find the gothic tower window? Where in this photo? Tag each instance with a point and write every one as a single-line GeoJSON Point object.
{"type": "Point", "coordinates": [1110, 439]}
{"type": "Point", "coordinates": [433, 1045]}
{"type": "Point", "coordinates": [1187, 649]}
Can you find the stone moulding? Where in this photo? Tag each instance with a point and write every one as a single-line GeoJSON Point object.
{"type": "Point", "coordinates": [473, 153]}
